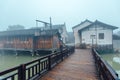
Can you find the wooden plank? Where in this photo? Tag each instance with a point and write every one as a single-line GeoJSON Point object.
{"type": "Point", "coordinates": [79, 66]}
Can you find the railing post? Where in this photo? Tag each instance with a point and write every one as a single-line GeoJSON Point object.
{"type": "Point", "coordinates": [39, 68]}
{"type": "Point", "coordinates": [67, 53]}
{"type": "Point", "coordinates": [49, 62]}
{"type": "Point", "coordinates": [21, 72]}
{"type": "Point", "coordinates": [62, 55]}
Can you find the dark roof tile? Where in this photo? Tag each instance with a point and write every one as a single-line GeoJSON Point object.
{"type": "Point", "coordinates": [100, 23]}
{"type": "Point", "coordinates": [82, 23]}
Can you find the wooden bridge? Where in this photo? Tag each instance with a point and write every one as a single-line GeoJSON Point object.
{"type": "Point", "coordinates": [79, 66]}
{"type": "Point", "coordinates": [82, 65]}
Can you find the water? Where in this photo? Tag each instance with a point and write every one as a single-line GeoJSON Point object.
{"type": "Point", "coordinates": [116, 45]}
{"type": "Point", "coordinates": [113, 60]}
{"type": "Point", "coordinates": [11, 60]}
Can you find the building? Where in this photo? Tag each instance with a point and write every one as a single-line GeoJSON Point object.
{"type": "Point", "coordinates": [76, 28]}
{"type": "Point", "coordinates": [93, 33]}
{"type": "Point", "coordinates": [30, 40]}
{"type": "Point", "coordinates": [63, 31]}
{"type": "Point", "coordinates": [60, 27]}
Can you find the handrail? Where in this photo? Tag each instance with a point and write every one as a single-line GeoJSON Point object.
{"type": "Point", "coordinates": [36, 68]}
{"type": "Point", "coordinates": [6, 71]}
{"type": "Point", "coordinates": [106, 72]}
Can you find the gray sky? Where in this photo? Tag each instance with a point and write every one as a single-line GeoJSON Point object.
{"type": "Point", "coordinates": [25, 12]}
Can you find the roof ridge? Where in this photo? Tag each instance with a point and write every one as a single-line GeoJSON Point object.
{"type": "Point", "coordinates": [104, 23]}
{"type": "Point", "coordinates": [82, 23]}
{"type": "Point", "coordinates": [99, 22]}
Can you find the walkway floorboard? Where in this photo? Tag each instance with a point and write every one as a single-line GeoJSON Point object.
{"type": "Point", "coordinates": [78, 66]}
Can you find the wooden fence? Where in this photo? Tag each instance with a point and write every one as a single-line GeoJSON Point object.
{"type": "Point", "coordinates": [106, 72]}
{"type": "Point", "coordinates": [37, 68]}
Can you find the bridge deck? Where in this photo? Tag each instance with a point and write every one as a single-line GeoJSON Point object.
{"type": "Point", "coordinates": [78, 66]}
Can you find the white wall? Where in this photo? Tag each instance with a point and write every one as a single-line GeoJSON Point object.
{"type": "Point", "coordinates": [91, 31]}
{"type": "Point", "coordinates": [76, 34]}
{"type": "Point", "coordinates": [64, 34]}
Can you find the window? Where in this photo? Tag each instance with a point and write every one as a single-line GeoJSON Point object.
{"type": "Point", "coordinates": [101, 35]}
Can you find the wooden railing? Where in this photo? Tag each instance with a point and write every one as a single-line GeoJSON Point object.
{"type": "Point", "coordinates": [36, 68]}
{"type": "Point", "coordinates": [106, 72]}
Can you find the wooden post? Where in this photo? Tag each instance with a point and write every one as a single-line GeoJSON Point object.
{"type": "Point", "coordinates": [22, 72]}
{"type": "Point", "coordinates": [33, 45]}
{"type": "Point", "coordinates": [16, 53]}
{"type": "Point", "coordinates": [39, 68]}
{"type": "Point", "coordinates": [32, 53]}
{"type": "Point", "coordinates": [49, 62]}
{"type": "Point", "coordinates": [62, 56]}
{"type": "Point", "coordinates": [61, 50]}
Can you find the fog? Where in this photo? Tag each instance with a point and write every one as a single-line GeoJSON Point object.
{"type": "Point", "coordinates": [25, 12]}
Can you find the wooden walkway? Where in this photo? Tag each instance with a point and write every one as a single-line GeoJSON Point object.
{"type": "Point", "coordinates": [78, 66]}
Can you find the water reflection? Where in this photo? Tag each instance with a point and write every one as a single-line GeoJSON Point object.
{"type": "Point", "coordinates": [113, 60]}
{"type": "Point", "coordinates": [116, 59]}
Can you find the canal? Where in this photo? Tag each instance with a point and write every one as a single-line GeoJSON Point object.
{"type": "Point", "coordinates": [113, 60]}
{"type": "Point", "coordinates": [9, 60]}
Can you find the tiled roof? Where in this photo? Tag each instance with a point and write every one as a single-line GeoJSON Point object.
{"type": "Point", "coordinates": [81, 23]}
{"type": "Point", "coordinates": [28, 32]}
{"type": "Point", "coordinates": [100, 23]}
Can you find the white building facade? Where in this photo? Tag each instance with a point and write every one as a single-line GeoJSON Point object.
{"type": "Point", "coordinates": [93, 33]}
{"type": "Point", "coordinates": [78, 27]}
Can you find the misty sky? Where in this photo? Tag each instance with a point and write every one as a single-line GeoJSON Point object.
{"type": "Point", "coordinates": [25, 12]}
